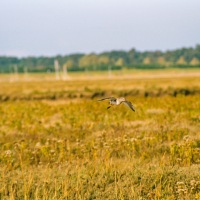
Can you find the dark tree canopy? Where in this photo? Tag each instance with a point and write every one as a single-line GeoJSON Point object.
{"type": "Point", "coordinates": [184, 57]}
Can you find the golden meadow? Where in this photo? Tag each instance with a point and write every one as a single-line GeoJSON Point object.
{"type": "Point", "coordinates": [58, 142]}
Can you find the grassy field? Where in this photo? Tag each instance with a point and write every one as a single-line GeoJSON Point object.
{"type": "Point", "coordinates": [58, 142]}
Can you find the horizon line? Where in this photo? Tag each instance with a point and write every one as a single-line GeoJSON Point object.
{"type": "Point", "coordinates": [98, 53]}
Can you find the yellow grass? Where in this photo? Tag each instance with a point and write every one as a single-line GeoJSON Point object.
{"type": "Point", "coordinates": [58, 142]}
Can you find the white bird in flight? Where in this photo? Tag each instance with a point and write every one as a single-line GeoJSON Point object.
{"type": "Point", "coordinates": [118, 101]}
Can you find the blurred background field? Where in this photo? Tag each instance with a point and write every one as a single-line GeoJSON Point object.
{"type": "Point", "coordinates": [58, 142]}
{"type": "Point", "coordinates": [96, 84]}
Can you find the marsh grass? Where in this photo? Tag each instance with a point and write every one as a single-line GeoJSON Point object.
{"type": "Point", "coordinates": [74, 148]}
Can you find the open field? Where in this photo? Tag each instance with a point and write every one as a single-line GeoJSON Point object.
{"type": "Point", "coordinates": [58, 142]}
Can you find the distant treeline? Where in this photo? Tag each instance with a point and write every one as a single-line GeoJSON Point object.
{"type": "Point", "coordinates": [115, 60]}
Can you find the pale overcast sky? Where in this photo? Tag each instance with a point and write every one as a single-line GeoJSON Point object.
{"type": "Point", "coordinates": [52, 27]}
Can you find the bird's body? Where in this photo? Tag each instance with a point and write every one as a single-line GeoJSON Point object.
{"type": "Point", "coordinates": [117, 101]}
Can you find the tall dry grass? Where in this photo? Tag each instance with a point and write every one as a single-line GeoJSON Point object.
{"type": "Point", "coordinates": [72, 147]}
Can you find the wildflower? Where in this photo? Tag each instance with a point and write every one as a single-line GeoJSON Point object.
{"type": "Point", "coordinates": [38, 145]}
{"type": "Point", "coordinates": [8, 153]}
{"type": "Point", "coordinates": [180, 183]}
{"type": "Point", "coordinates": [52, 151]}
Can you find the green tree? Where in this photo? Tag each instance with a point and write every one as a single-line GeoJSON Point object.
{"type": "Point", "coordinates": [69, 64]}
{"type": "Point", "coordinates": [120, 62]}
{"type": "Point", "coordinates": [103, 60]}
{"type": "Point", "coordinates": [88, 60]}
{"type": "Point", "coordinates": [161, 60]}
{"type": "Point", "coordinates": [194, 61]}
{"type": "Point", "coordinates": [147, 61]}
{"type": "Point", "coordinates": [181, 61]}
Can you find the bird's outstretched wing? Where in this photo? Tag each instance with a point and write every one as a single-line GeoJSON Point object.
{"type": "Point", "coordinates": [107, 98]}
{"type": "Point", "coordinates": [129, 104]}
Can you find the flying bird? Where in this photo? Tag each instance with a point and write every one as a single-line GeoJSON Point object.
{"type": "Point", "coordinates": [117, 101]}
